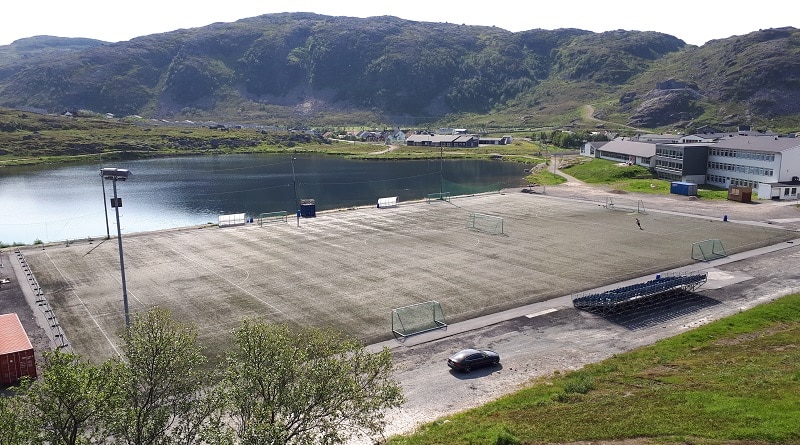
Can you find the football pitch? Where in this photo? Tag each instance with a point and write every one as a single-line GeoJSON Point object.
{"type": "Point", "coordinates": [348, 269]}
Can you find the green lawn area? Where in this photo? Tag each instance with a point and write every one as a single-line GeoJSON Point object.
{"type": "Point", "coordinates": [734, 380]}
{"type": "Point", "coordinates": [631, 178]}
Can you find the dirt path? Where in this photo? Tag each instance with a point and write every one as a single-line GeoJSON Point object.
{"type": "Point", "coordinates": [587, 114]}
{"type": "Point", "coordinates": [571, 180]}
{"type": "Point", "coordinates": [388, 149]}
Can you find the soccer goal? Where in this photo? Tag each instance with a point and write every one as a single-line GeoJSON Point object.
{"type": "Point", "coordinates": [485, 223]}
{"type": "Point", "coordinates": [625, 205]}
{"type": "Point", "coordinates": [272, 217]}
{"type": "Point", "coordinates": [417, 318]}
{"type": "Point", "coordinates": [443, 196]}
{"type": "Point", "coordinates": [708, 250]}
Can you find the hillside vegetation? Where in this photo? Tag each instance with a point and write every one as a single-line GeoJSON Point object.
{"type": "Point", "coordinates": [28, 138]}
{"type": "Point", "coordinates": [306, 70]}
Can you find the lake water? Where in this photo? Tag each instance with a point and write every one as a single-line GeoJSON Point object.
{"type": "Point", "coordinates": [49, 204]}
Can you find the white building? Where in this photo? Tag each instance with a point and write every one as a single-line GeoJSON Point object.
{"type": "Point", "coordinates": [622, 150]}
{"type": "Point", "coordinates": [770, 165]}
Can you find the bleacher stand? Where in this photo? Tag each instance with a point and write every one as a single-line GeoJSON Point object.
{"type": "Point", "coordinates": [622, 297]}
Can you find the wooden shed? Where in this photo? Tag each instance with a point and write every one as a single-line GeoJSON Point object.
{"type": "Point", "coordinates": [16, 352]}
{"type": "Point", "coordinates": [740, 193]}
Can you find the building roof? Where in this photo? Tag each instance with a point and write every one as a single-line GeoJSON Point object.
{"type": "Point", "coordinates": [632, 148]}
{"type": "Point", "coordinates": [759, 143]}
{"type": "Point", "coordinates": [12, 335]}
{"type": "Point", "coordinates": [597, 144]}
{"type": "Point", "coordinates": [734, 134]}
{"type": "Point", "coordinates": [783, 183]}
{"type": "Point", "coordinates": [439, 138]}
{"type": "Point", "coordinates": [658, 138]}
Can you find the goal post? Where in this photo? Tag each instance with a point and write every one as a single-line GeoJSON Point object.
{"type": "Point", "coordinates": [417, 318]}
{"type": "Point", "coordinates": [442, 196]}
{"type": "Point", "coordinates": [265, 218]}
{"type": "Point", "coordinates": [708, 250]}
{"type": "Point", "coordinates": [485, 223]}
{"type": "Point", "coordinates": [626, 205]}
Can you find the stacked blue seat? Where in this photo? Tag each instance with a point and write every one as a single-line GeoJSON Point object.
{"type": "Point", "coordinates": [626, 294]}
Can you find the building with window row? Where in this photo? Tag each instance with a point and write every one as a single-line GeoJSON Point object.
{"type": "Point", "coordinates": [767, 163]}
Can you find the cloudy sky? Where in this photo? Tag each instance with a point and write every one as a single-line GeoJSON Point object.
{"type": "Point", "coordinates": [695, 22]}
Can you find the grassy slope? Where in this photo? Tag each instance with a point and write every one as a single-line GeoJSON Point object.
{"type": "Point", "coordinates": [734, 380]}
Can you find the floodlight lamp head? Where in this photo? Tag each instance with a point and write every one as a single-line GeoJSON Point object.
{"type": "Point", "coordinates": [116, 174]}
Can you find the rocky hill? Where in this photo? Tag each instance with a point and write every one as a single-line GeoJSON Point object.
{"type": "Point", "coordinates": [307, 69]}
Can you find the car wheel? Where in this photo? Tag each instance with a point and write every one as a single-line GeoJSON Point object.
{"type": "Point", "coordinates": [467, 369]}
{"type": "Point", "coordinates": [496, 362]}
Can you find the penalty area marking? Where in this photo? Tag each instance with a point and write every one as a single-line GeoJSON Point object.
{"type": "Point", "coordinates": [546, 311]}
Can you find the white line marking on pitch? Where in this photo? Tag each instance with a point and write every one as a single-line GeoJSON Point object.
{"type": "Point", "coordinates": [83, 304]}
{"type": "Point", "coordinates": [546, 311]}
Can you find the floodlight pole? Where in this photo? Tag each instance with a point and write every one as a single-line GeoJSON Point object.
{"type": "Point", "coordinates": [294, 187]}
{"type": "Point", "coordinates": [105, 206]}
{"type": "Point", "coordinates": [441, 171]}
{"type": "Point", "coordinates": [115, 174]}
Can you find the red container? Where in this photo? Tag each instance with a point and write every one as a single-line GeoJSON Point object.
{"type": "Point", "coordinates": [16, 352]}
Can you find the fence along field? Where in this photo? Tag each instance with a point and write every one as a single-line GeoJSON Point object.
{"type": "Point", "coordinates": [350, 269]}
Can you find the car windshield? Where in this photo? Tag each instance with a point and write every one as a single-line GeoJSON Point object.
{"type": "Point", "coordinates": [462, 354]}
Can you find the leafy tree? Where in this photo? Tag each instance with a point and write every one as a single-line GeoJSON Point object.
{"type": "Point", "coordinates": [18, 425]}
{"type": "Point", "coordinates": [69, 398]}
{"type": "Point", "coordinates": [306, 385]}
{"type": "Point", "coordinates": [567, 139]}
{"type": "Point", "coordinates": [161, 394]}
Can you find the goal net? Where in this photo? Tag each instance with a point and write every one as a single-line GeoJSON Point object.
{"type": "Point", "coordinates": [708, 250]}
{"type": "Point", "coordinates": [626, 205]}
{"type": "Point", "coordinates": [443, 196]}
{"type": "Point", "coordinates": [485, 223]}
{"type": "Point", "coordinates": [417, 318]}
{"type": "Point", "coordinates": [270, 217]}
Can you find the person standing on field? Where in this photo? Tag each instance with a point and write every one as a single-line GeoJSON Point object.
{"type": "Point", "coordinates": [639, 224]}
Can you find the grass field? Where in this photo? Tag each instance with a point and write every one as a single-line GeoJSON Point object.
{"type": "Point", "coordinates": [349, 269]}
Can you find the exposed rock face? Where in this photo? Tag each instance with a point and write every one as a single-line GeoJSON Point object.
{"type": "Point", "coordinates": [665, 106]}
{"type": "Point", "coordinates": [627, 98]}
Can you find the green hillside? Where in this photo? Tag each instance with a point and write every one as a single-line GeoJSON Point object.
{"type": "Point", "coordinates": [306, 70]}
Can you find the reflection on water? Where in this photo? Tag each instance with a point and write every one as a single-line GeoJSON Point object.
{"type": "Point", "coordinates": [66, 202]}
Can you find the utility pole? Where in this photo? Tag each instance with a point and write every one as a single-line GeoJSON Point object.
{"type": "Point", "coordinates": [441, 171]}
{"type": "Point", "coordinates": [294, 188]}
{"type": "Point", "coordinates": [105, 206]}
{"type": "Point", "coordinates": [119, 174]}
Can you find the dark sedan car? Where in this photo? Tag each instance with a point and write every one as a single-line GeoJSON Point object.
{"type": "Point", "coordinates": [470, 359]}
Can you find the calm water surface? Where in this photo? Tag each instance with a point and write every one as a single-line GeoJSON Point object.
{"type": "Point", "coordinates": [66, 202]}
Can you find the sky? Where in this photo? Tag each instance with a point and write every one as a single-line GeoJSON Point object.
{"type": "Point", "coordinates": [693, 21]}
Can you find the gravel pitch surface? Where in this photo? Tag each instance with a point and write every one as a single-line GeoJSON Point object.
{"type": "Point", "coordinates": [349, 268]}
